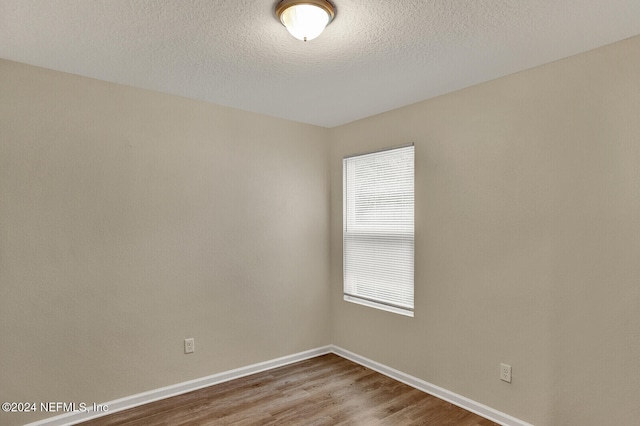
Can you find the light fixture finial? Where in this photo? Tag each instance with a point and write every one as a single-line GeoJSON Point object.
{"type": "Point", "coordinates": [305, 19]}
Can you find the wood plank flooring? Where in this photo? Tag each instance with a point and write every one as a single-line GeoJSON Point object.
{"type": "Point", "coordinates": [326, 390]}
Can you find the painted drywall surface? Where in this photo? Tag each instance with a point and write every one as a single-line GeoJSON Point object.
{"type": "Point", "coordinates": [130, 220]}
{"type": "Point", "coordinates": [527, 241]}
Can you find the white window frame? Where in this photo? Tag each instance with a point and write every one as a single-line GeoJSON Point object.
{"type": "Point", "coordinates": [378, 229]}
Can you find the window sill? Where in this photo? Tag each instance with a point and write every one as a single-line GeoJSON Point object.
{"type": "Point", "coordinates": [393, 309]}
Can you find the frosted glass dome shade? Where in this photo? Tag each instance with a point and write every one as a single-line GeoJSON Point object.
{"type": "Point", "coordinates": [305, 21]}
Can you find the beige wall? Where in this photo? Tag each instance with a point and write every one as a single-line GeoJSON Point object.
{"type": "Point", "coordinates": [527, 241]}
{"type": "Point", "coordinates": [130, 220]}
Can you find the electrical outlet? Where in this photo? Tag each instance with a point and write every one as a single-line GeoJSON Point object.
{"type": "Point", "coordinates": [189, 346]}
{"type": "Point", "coordinates": [505, 373]}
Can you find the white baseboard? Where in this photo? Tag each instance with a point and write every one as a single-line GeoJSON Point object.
{"type": "Point", "coordinates": [180, 388]}
{"type": "Point", "coordinates": [459, 400]}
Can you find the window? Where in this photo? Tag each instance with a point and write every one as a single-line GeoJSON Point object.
{"type": "Point", "coordinates": [378, 243]}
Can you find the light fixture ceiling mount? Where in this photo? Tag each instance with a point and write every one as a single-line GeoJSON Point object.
{"type": "Point", "coordinates": [305, 19]}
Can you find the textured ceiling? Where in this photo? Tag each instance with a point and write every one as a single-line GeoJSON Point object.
{"type": "Point", "coordinates": [376, 55]}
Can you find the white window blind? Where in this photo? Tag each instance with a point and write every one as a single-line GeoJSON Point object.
{"type": "Point", "coordinates": [378, 242]}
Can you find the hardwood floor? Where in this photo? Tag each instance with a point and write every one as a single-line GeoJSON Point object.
{"type": "Point", "coordinates": [327, 390]}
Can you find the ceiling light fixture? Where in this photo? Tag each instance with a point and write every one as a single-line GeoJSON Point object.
{"type": "Point", "coordinates": [305, 19]}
